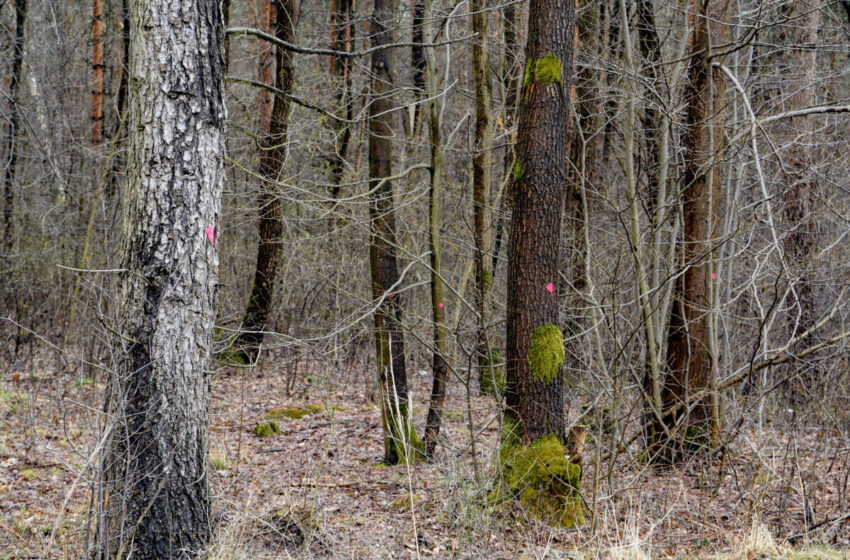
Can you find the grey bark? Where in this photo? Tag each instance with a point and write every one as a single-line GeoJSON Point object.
{"type": "Point", "coordinates": [154, 495]}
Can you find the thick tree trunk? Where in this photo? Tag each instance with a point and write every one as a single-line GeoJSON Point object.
{"type": "Point", "coordinates": [689, 359]}
{"type": "Point", "coordinates": [266, 63]}
{"type": "Point", "coordinates": [11, 151]}
{"type": "Point", "coordinates": [534, 413]}
{"type": "Point", "coordinates": [400, 442]}
{"type": "Point", "coordinates": [272, 160]}
{"type": "Point", "coordinates": [535, 395]}
{"type": "Point", "coordinates": [441, 346]}
{"type": "Point", "coordinates": [155, 494]}
{"type": "Point", "coordinates": [482, 171]}
{"type": "Point", "coordinates": [417, 59]}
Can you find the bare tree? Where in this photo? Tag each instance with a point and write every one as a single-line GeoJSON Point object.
{"type": "Point", "coordinates": [14, 127]}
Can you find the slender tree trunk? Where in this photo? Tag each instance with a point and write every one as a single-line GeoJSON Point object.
{"type": "Point", "coordinates": [417, 57]}
{"type": "Point", "coordinates": [534, 413]}
{"type": "Point", "coordinates": [689, 359]}
{"type": "Point", "coordinates": [14, 129]}
{"type": "Point", "coordinates": [266, 64]}
{"type": "Point", "coordinates": [272, 160]}
{"type": "Point", "coordinates": [441, 346]}
{"type": "Point", "coordinates": [482, 170]}
{"type": "Point", "coordinates": [155, 494]}
{"type": "Point", "coordinates": [400, 440]}
{"type": "Point", "coordinates": [801, 242]}
{"type": "Point", "coordinates": [342, 39]}
{"type": "Point", "coordinates": [97, 73]}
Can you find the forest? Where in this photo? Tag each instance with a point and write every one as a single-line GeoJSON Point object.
{"type": "Point", "coordinates": [461, 279]}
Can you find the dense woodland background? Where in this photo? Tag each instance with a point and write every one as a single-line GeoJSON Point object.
{"type": "Point", "coordinates": [771, 243]}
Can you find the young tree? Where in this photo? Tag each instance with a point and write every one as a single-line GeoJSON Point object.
{"type": "Point", "coordinates": [341, 68]}
{"type": "Point", "coordinates": [482, 170]}
{"type": "Point", "coordinates": [533, 455]}
{"type": "Point", "coordinates": [14, 128]}
{"type": "Point", "coordinates": [97, 73]}
{"type": "Point", "coordinates": [400, 438]}
{"type": "Point", "coordinates": [441, 345]}
{"type": "Point", "coordinates": [272, 159]}
{"type": "Point", "coordinates": [154, 495]}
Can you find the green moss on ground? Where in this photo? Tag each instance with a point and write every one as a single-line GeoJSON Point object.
{"type": "Point", "coordinates": [265, 429]}
{"type": "Point", "coordinates": [491, 375]}
{"type": "Point", "coordinates": [299, 412]}
{"type": "Point", "coordinates": [546, 353]}
{"type": "Point", "coordinates": [541, 479]}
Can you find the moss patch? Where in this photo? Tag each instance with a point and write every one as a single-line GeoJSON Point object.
{"type": "Point", "coordinates": [518, 171]}
{"type": "Point", "coordinates": [405, 502]}
{"type": "Point", "coordinates": [299, 412]}
{"type": "Point", "coordinates": [402, 438]}
{"type": "Point", "coordinates": [546, 353]}
{"type": "Point", "coordinates": [265, 429]}
{"type": "Point", "coordinates": [546, 70]}
{"type": "Point", "coordinates": [541, 479]}
{"type": "Point", "coordinates": [491, 374]}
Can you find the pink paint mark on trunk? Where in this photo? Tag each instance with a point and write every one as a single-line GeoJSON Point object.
{"type": "Point", "coordinates": [550, 287]}
{"type": "Point", "coordinates": [714, 276]}
{"type": "Point", "coordinates": [211, 234]}
{"type": "Point", "coordinates": [440, 304]}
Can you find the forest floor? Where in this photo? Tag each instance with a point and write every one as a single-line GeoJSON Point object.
{"type": "Point", "coordinates": [318, 490]}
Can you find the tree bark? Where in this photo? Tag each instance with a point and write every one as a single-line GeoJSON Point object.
{"type": "Point", "coordinates": [535, 387]}
{"type": "Point", "coordinates": [482, 171]}
{"type": "Point", "coordinates": [343, 39]}
{"type": "Point", "coordinates": [97, 73]}
{"type": "Point", "coordinates": [800, 244]}
{"type": "Point", "coordinates": [155, 496]}
{"type": "Point", "coordinates": [14, 129]}
{"type": "Point", "coordinates": [399, 437]}
{"type": "Point", "coordinates": [272, 160]}
{"type": "Point", "coordinates": [441, 346]}
{"type": "Point", "coordinates": [417, 58]}
{"type": "Point", "coordinates": [689, 359]}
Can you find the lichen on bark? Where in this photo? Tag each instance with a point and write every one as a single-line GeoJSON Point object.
{"type": "Point", "coordinates": [546, 352]}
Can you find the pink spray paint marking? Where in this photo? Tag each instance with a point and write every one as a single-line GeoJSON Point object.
{"type": "Point", "coordinates": [211, 234]}
{"type": "Point", "coordinates": [440, 304]}
{"type": "Point", "coordinates": [714, 276]}
{"type": "Point", "coordinates": [392, 295]}
{"type": "Point", "coordinates": [550, 287]}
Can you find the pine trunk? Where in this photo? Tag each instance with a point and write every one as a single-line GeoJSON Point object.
{"type": "Point", "coordinates": [155, 494]}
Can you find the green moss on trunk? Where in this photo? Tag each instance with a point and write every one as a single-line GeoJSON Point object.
{"type": "Point", "coordinates": [402, 438]}
{"type": "Point", "coordinates": [546, 353]}
{"type": "Point", "coordinates": [540, 478]}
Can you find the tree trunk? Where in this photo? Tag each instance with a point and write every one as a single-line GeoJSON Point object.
{"type": "Point", "coordinates": [266, 63]}
{"type": "Point", "coordinates": [272, 160]}
{"type": "Point", "coordinates": [400, 440]}
{"type": "Point", "coordinates": [155, 494]}
{"type": "Point", "coordinates": [482, 166]}
{"type": "Point", "coordinates": [440, 367]}
{"type": "Point", "coordinates": [343, 39]}
{"type": "Point", "coordinates": [689, 359]}
{"type": "Point", "coordinates": [800, 244]}
{"type": "Point", "coordinates": [14, 129]}
{"type": "Point", "coordinates": [417, 59]}
{"type": "Point", "coordinates": [534, 413]}
{"type": "Point", "coordinates": [97, 73]}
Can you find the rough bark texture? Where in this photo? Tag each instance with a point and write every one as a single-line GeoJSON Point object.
{"type": "Point", "coordinates": [154, 495]}
{"type": "Point", "coordinates": [482, 171]}
{"type": "Point", "coordinates": [383, 266]}
{"type": "Point", "coordinates": [441, 335]}
{"type": "Point", "coordinates": [14, 128]}
{"type": "Point", "coordinates": [271, 211]}
{"type": "Point", "coordinates": [266, 64]}
{"type": "Point", "coordinates": [417, 59]}
{"type": "Point", "coordinates": [535, 392]}
{"type": "Point", "coordinates": [97, 73]}
{"type": "Point", "coordinates": [689, 359]}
